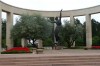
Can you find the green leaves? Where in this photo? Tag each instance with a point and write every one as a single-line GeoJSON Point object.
{"type": "Point", "coordinates": [31, 26]}
{"type": "Point", "coordinates": [70, 33]}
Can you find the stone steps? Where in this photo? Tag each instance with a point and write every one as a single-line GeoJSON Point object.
{"type": "Point", "coordinates": [93, 60]}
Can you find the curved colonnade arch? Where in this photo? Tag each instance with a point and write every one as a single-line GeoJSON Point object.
{"type": "Point", "coordinates": [10, 10]}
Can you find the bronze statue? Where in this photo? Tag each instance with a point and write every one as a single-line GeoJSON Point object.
{"type": "Point", "coordinates": [58, 27]}
{"type": "Point", "coordinates": [58, 20]}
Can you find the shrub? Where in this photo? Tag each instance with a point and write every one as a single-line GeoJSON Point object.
{"type": "Point", "coordinates": [48, 42]}
{"type": "Point", "coordinates": [96, 41]}
{"type": "Point", "coordinates": [79, 42]}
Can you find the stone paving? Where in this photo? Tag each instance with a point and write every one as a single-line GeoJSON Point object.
{"type": "Point", "coordinates": [63, 52]}
{"type": "Point", "coordinates": [64, 57]}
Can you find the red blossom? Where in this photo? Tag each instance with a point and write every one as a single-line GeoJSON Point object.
{"type": "Point", "coordinates": [96, 47]}
{"type": "Point", "coordinates": [19, 49]}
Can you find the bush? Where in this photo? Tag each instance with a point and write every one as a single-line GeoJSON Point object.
{"type": "Point", "coordinates": [96, 41]}
{"type": "Point", "coordinates": [79, 42]}
{"type": "Point", "coordinates": [47, 42]}
{"type": "Point", "coordinates": [17, 42]}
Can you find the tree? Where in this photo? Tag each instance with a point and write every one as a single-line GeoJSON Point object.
{"type": "Point", "coordinates": [70, 33]}
{"type": "Point", "coordinates": [77, 22]}
{"type": "Point", "coordinates": [80, 41]}
{"type": "Point", "coordinates": [95, 32]}
{"type": "Point", "coordinates": [95, 27]}
{"type": "Point", "coordinates": [3, 33]}
{"type": "Point", "coordinates": [84, 33]}
{"type": "Point", "coordinates": [31, 27]}
{"type": "Point", "coordinates": [96, 41]}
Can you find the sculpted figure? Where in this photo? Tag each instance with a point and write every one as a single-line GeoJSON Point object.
{"type": "Point", "coordinates": [57, 29]}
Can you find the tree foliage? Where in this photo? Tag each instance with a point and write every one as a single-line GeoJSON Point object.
{"type": "Point", "coordinates": [95, 28]}
{"type": "Point", "coordinates": [31, 27]}
{"type": "Point", "coordinates": [96, 41]}
{"type": "Point", "coordinates": [3, 33]}
{"type": "Point", "coordinates": [95, 32]}
{"type": "Point", "coordinates": [70, 33]}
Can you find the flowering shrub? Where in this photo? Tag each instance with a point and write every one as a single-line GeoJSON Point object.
{"type": "Point", "coordinates": [17, 50]}
{"type": "Point", "coordinates": [96, 47]}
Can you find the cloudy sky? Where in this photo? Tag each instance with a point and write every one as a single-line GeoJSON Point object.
{"type": "Point", "coordinates": [56, 5]}
{"type": "Point", "coordinates": [53, 4]}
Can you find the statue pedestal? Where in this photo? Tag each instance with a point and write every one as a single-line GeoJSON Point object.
{"type": "Point", "coordinates": [34, 50]}
{"type": "Point", "coordinates": [40, 45]}
{"type": "Point", "coordinates": [39, 51]}
{"type": "Point", "coordinates": [58, 47]}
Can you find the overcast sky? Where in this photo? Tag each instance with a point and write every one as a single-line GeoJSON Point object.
{"type": "Point", "coordinates": [53, 5]}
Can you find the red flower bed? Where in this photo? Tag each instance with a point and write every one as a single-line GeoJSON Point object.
{"type": "Point", "coordinates": [96, 47]}
{"type": "Point", "coordinates": [18, 49]}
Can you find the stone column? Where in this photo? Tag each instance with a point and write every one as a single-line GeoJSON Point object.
{"type": "Point", "coordinates": [9, 25]}
{"type": "Point", "coordinates": [0, 31]}
{"type": "Point", "coordinates": [72, 23]}
{"type": "Point", "coordinates": [88, 31]}
{"type": "Point", "coordinates": [23, 42]}
{"type": "Point", "coordinates": [72, 20]}
{"type": "Point", "coordinates": [40, 45]}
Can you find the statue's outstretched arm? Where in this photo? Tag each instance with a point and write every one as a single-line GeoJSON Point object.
{"type": "Point", "coordinates": [60, 14]}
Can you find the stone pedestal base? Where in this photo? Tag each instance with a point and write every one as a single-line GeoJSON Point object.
{"type": "Point", "coordinates": [34, 50]}
{"type": "Point", "coordinates": [58, 47]}
{"type": "Point", "coordinates": [39, 51]}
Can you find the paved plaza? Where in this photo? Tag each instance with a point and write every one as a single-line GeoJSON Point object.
{"type": "Point", "coordinates": [63, 52]}
{"type": "Point", "coordinates": [64, 57]}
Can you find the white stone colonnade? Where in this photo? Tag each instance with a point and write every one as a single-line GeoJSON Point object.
{"type": "Point", "coordinates": [10, 10]}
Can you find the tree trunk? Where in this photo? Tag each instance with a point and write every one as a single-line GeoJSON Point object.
{"type": "Point", "coordinates": [34, 45]}
{"type": "Point", "coordinates": [69, 45]}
